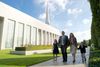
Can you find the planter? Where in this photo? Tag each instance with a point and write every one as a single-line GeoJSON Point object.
{"type": "Point", "coordinates": [31, 52]}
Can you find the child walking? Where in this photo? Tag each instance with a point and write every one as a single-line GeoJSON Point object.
{"type": "Point", "coordinates": [55, 50]}
{"type": "Point", "coordinates": [82, 48]}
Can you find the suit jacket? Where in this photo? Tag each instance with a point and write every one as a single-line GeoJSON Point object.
{"type": "Point", "coordinates": [65, 40]}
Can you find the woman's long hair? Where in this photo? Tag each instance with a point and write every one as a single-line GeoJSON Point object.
{"type": "Point", "coordinates": [72, 39]}
{"type": "Point", "coordinates": [72, 35]}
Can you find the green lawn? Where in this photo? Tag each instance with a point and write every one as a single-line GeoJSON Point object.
{"type": "Point", "coordinates": [94, 60]}
{"type": "Point", "coordinates": [10, 60]}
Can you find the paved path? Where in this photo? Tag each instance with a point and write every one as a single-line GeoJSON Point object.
{"type": "Point", "coordinates": [59, 63]}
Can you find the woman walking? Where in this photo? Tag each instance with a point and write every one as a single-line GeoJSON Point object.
{"type": "Point", "coordinates": [73, 45]}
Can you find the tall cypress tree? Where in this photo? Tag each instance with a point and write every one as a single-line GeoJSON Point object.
{"type": "Point", "coordinates": [95, 28]}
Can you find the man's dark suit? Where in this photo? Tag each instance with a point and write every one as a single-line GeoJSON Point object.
{"type": "Point", "coordinates": [64, 46]}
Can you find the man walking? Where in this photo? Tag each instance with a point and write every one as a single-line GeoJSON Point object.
{"type": "Point", "coordinates": [63, 42]}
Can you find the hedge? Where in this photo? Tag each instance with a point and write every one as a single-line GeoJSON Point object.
{"type": "Point", "coordinates": [33, 47]}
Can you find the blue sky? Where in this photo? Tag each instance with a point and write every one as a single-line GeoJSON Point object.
{"type": "Point", "coordinates": [68, 15]}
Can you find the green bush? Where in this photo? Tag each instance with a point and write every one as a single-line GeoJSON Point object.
{"type": "Point", "coordinates": [20, 48]}
{"type": "Point", "coordinates": [33, 47]}
{"type": "Point", "coordinates": [23, 48]}
{"type": "Point", "coordinates": [94, 60]}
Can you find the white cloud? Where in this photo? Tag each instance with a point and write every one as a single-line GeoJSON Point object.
{"type": "Point", "coordinates": [55, 6]}
{"type": "Point", "coordinates": [82, 35]}
{"type": "Point", "coordinates": [66, 31]}
{"type": "Point", "coordinates": [39, 1]}
{"type": "Point", "coordinates": [61, 3]}
{"type": "Point", "coordinates": [69, 23]}
{"type": "Point", "coordinates": [86, 21]}
{"type": "Point", "coordinates": [42, 16]}
{"type": "Point", "coordinates": [58, 3]}
{"type": "Point", "coordinates": [74, 11]}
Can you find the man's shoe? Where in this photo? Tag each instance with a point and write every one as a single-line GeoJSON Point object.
{"type": "Point", "coordinates": [73, 61]}
{"type": "Point", "coordinates": [64, 61]}
{"type": "Point", "coordinates": [85, 59]}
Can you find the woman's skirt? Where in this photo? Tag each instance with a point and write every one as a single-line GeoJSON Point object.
{"type": "Point", "coordinates": [73, 49]}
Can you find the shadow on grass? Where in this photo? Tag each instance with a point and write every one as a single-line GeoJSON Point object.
{"type": "Point", "coordinates": [26, 61]}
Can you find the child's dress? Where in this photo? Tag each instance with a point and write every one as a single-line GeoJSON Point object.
{"type": "Point", "coordinates": [55, 48]}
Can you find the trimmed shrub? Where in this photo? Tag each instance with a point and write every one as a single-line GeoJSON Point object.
{"type": "Point", "coordinates": [33, 47]}
{"type": "Point", "coordinates": [22, 49]}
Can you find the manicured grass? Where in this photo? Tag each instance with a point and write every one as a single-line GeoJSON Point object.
{"type": "Point", "coordinates": [94, 60]}
{"type": "Point", "coordinates": [10, 60]}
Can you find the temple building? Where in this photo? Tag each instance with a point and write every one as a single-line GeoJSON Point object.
{"type": "Point", "coordinates": [19, 29]}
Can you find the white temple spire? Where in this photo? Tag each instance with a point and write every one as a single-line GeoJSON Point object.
{"type": "Point", "coordinates": [47, 13]}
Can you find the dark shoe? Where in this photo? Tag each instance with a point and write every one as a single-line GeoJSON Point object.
{"type": "Point", "coordinates": [82, 61]}
{"type": "Point", "coordinates": [73, 61]}
{"type": "Point", "coordinates": [64, 61]}
{"type": "Point", "coordinates": [85, 59]}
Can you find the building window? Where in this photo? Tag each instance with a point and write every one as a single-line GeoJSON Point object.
{"type": "Point", "coordinates": [20, 34]}
{"type": "Point", "coordinates": [33, 35]}
{"type": "Point", "coordinates": [28, 34]}
{"type": "Point", "coordinates": [10, 34]}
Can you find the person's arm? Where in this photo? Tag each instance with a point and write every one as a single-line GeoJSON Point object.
{"type": "Point", "coordinates": [76, 44]}
{"type": "Point", "coordinates": [59, 42]}
{"type": "Point", "coordinates": [85, 46]}
{"type": "Point", "coordinates": [67, 41]}
{"type": "Point", "coordinates": [79, 47]}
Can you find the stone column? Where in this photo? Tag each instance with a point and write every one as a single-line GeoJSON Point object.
{"type": "Point", "coordinates": [37, 37]}
{"type": "Point", "coordinates": [41, 37]}
{"type": "Point", "coordinates": [49, 37]}
{"type": "Point", "coordinates": [45, 38]}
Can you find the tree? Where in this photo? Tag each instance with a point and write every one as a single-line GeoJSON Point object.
{"type": "Point", "coordinates": [95, 28]}
{"type": "Point", "coordinates": [89, 42]}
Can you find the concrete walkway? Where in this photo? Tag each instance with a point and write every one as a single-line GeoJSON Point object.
{"type": "Point", "coordinates": [59, 63]}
